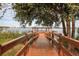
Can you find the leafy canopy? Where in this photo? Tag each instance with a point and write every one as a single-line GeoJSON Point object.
{"type": "Point", "coordinates": [43, 13]}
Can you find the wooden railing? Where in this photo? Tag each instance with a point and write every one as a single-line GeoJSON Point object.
{"type": "Point", "coordinates": [59, 41]}
{"type": "Point", "coordinates": [20, 40]}
{"type": "Point", "coordinates": [12, 43]}
{"type": "Point", "coordinates": [25, 49]}
{"type": "Point", "coordinates": [69, 43]}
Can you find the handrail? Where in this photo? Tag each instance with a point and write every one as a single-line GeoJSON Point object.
{"type": "Point", "coordinates": [65, 51]}
{"type": "Point", "coordinates": [69, 40]}
{"type": "Point", "coordinates": [6, 46]}
{"type": "Point", "coordinates": [12, 43]}
{"type": "Point", "coordinates": [28, 40]}
{"type": "Point", "coordinates": [60, 47]}
{"type": "Point", "coordinates": [22, 50]}
{"type": "Point", "coordinates": [72, 41]}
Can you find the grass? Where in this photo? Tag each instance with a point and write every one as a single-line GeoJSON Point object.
{"type": "Point", "coordinates": [7, 36]}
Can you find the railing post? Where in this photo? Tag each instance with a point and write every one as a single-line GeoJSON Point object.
{"type": "Point", "coordinates": [69, 47]}
{"type": "Point", "coordinates": [0, 49]}
{"type": "Point", "coordinates": [26, 38]}
{"type": "Point", "coordinates": [52, 35]}
{"type": "Point", "coordinates": [59, 45]}
{"type": "Point", "coordinates": [26, 49]}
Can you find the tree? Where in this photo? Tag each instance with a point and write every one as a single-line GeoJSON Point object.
{"type": "Point", "coordinates": [41, 12]}
{"type": "Point", "coordinates": [3, 12]}
{"type": "Point", "coordinates": [45, 14]}
{"type": "Point", "coordinates": [75, 8]}
{"type": "Point", "coordinates": [73, 13]}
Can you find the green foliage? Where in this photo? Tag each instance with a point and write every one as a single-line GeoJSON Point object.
{"type": "Point", "coordinates": [7, 36]}
{"type": "Point", "coordinates": [26, 13]}
{"type": "Point", "coordinates": [2, 11]}
{"type": "Point", "coordinates": [44, 14]}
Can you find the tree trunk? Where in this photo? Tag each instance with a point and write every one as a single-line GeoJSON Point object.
{"type": "Point", "coordinates": [73, 27]}
{"type": "Point", "coordinates": [68, 26]}
{"type": "Point", "coordinates": [64, 26]}
{"type": "Point", "coordinates": [68, 32]}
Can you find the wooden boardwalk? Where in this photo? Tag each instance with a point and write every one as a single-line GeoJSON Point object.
{"type": "Point", "coordinates": [43, 44]}
{"type": "Point", "coordinates": [41, 47]}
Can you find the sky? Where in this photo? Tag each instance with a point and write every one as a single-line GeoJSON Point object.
{"type": "Point", "coordinates": [8, 19]}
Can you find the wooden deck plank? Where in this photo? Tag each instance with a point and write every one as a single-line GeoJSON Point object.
{"type": "Point", "coordinates": [41, 47]}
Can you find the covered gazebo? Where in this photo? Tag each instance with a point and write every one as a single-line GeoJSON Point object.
{"type": "Point", "coordinates": [43, 28]}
